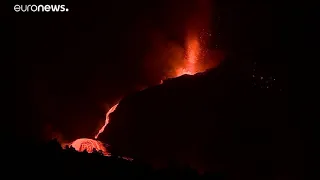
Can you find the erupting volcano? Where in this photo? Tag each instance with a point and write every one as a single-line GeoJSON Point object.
{"type": "Point", "coordinates": [191, 65]}
{"type": "Point", "coordinates": [195, 60]}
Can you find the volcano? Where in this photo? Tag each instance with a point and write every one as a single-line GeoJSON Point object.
{"type": "Point", "coordinates": [190, 60]}
{"type": "Point", "coordinates": [213, 115]}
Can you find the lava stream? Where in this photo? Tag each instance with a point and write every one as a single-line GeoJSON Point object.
{"type": "Point", "coordinates": [114, 107]}
{"type": "Point", "coordinates": [87, 144]}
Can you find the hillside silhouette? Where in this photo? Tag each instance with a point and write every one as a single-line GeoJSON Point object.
{"type": "Point", "coordinates": [212, 121]}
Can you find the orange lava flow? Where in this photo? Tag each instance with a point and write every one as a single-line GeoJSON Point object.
{"type": "Point", "coordinates": [114, 107]}
{"type": "Point", "coordinates": [90, 144]}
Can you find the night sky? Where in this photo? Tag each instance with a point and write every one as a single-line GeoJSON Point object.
{"type": "Point", "coordinates": [71, 67]}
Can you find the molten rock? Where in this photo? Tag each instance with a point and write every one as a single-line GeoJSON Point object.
{"type": "Point", "coordinates": [89, 145]}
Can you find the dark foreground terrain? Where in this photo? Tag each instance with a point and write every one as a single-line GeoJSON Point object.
{"type": "Point", "coordinates": [49, 160]}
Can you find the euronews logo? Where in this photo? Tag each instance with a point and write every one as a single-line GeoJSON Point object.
{"type": "Point", "coordinates": [40, 8]}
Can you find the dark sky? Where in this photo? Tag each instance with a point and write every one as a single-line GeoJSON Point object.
{"type": "Point", "coordinates": [71, 66]}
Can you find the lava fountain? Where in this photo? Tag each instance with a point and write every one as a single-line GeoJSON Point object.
{"type": "Point", "coordinates": [191, 61]}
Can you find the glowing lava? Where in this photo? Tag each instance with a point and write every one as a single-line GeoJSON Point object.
{"type": "Point", "coordinates": [88, 145]}
{"type": "Point", "coordinates": [107, 120]}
